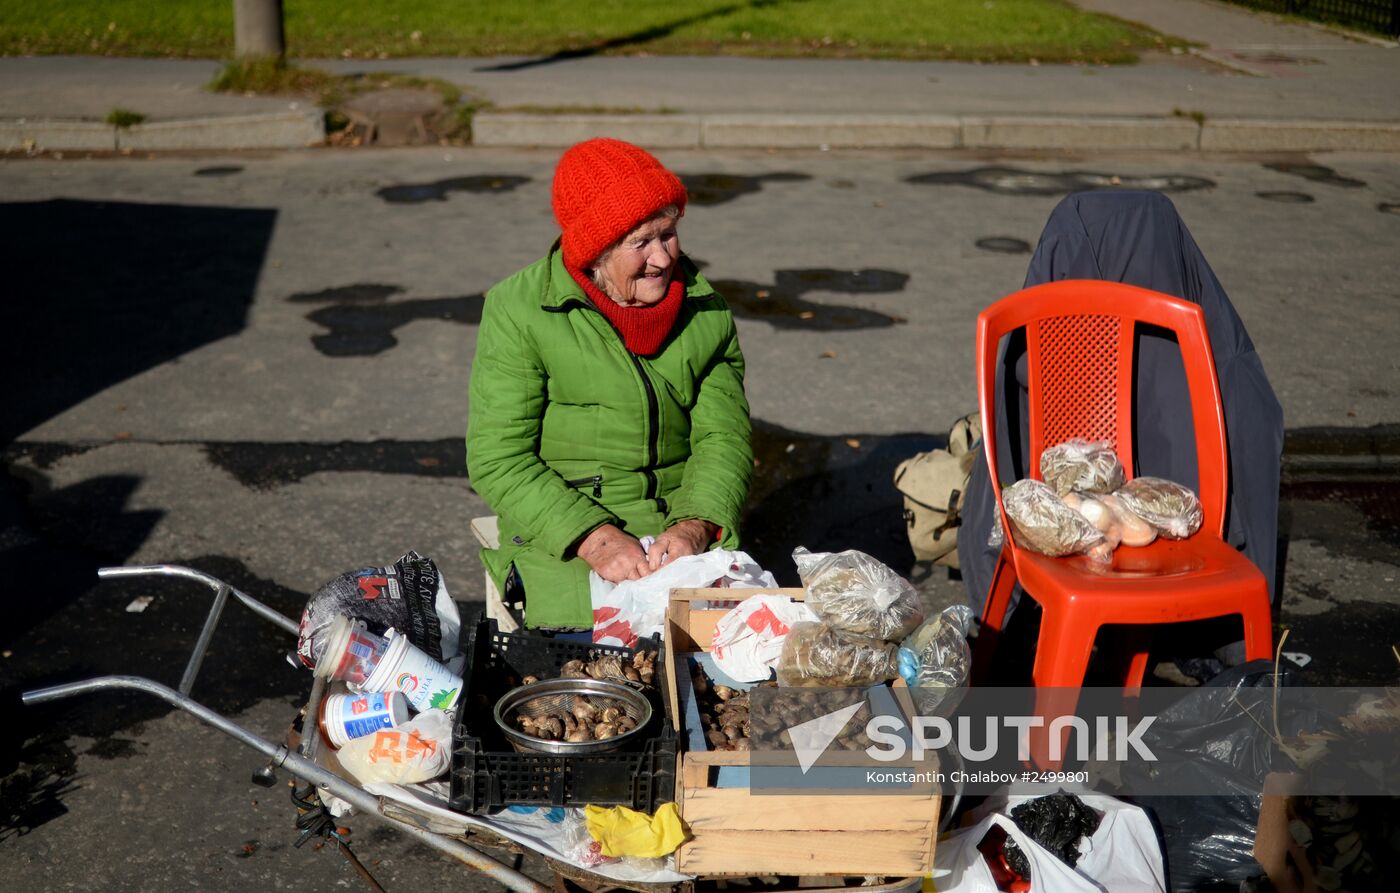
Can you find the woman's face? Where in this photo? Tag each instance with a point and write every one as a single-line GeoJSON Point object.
{"type": "Point", "coordinates": [638, 269]}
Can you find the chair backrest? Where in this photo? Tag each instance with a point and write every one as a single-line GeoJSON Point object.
{"type": "Point", "coordinates": [1079, 353]}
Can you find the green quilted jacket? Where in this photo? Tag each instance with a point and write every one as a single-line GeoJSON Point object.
{"type": "Point", "coordinates": [568, 430]}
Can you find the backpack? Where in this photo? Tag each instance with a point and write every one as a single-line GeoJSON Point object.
{"type": "Point", "coordinates": [933, 485]}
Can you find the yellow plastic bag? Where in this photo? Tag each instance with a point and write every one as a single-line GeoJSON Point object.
{"type": "Point", "coordinates": [625, 832]}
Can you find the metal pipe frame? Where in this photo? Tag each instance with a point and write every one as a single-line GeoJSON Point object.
{"type": "Point", "coordinates": [271, 615]}
{"type": "Point", "coordinates": [280, 756]}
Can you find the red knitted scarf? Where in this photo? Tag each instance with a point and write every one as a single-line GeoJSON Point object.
{"type": "Point", "coordinates": [643, 329]}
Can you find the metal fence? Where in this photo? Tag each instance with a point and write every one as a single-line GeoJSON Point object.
{"type": "Point", "coordinates": [1377, 15]}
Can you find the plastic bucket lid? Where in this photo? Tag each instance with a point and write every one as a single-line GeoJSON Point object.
{"type": "Point", "coordinates": [425, 682]}
{"type": "Point", "coordinates": [344, 717]}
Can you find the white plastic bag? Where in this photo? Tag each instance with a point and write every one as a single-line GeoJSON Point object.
{"type": "Point", "coordinates": [417, 751]}
{"type": "Point", "coordinates": [633, 609]}
{"type": "Point", "coordinates": [1123, 854]}
{"type": "Point", "coordinates": [749, 639]}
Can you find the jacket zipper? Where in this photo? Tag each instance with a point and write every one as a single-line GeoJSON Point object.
{"type": "Point", "coordinates": [596, 481]}
{"type": "Point", "coordinates": [653, 415]}
{"type": "Point", "coordinates": [653, 422]}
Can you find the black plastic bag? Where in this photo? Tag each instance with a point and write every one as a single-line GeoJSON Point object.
{"type": "Point", "coordinates": [1209, 841]}
{"type": "Point", "coordinates": [1057, 822]}
{"type": "Point", "coordinates": [408, 595]}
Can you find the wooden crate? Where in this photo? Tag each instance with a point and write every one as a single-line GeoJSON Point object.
{"type": "Point", "coordinates": [736, 832]}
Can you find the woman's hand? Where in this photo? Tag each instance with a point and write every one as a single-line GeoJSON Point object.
{"type": "Point", "coordinates": [684, 538]}
{"type": "Point", "coordinates": [614, 555]}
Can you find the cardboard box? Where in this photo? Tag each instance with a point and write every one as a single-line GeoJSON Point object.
{"type": "Point", "coordinates": [737, 832]}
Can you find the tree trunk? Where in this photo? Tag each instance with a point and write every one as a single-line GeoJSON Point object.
{"type": "Point", "coordinates": [257, 29]}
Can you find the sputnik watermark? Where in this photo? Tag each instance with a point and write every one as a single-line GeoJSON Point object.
{"type": "Point", "coordinates": [937, 732]}
{"type": "Point", "coordinates": [1113, 737]}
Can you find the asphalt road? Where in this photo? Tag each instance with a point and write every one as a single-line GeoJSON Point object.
{"type": "Point", "coordinates": [258, 366]}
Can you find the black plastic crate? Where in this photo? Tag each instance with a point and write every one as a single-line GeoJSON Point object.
{"type": "Point", "coordinates": [487, 773]}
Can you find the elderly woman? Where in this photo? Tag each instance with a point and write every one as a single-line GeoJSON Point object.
{"type": "Point", "coordinates": [607, 395]}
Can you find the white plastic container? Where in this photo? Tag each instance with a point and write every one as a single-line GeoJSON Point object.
{"type": "Point", "coordinates": [352, 652]}
{"type": "Point", "coordinates": [344, 717]}
{"type": "Point", "coordinates": [405, 668]}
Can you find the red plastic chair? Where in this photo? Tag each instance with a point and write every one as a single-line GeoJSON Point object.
{"type": "Point", "coordinates": [1079, 343]}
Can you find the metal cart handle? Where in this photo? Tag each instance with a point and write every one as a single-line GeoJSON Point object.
{"type": "Point", "coordinates": [279, 754]}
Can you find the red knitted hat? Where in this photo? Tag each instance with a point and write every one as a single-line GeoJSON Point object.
{"type": "Point", "coordinates": [604, 189]}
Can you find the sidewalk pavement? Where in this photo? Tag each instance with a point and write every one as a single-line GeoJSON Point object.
{"type": "Point", "coordinates": [1256, 83]}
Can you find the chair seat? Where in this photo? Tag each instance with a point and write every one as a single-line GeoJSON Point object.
{"type": "Point", "coordinates": [1165, 582]}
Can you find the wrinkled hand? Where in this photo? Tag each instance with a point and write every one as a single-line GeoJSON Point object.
{"type": "Point", "coordinates": [614, 555]}
{"type": "Point", "coordinates": [684, 538]}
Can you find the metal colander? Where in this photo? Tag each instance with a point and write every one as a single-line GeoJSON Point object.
{"type": "Point", "coordinates": [552, 695]}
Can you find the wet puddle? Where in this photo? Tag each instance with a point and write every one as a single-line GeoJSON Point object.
{"type": "Point", "coordinates": [1389, 207]}
{"type": "Point", "coordinates": [782, 304]}
{"type": "Point", "coordinates": [219, 170]}
{"type": "Point", "coordinates": [361, 320]}
{"type": "Point", "coordinates": [1314, 172]}
{"type": "Point", "coordinates": [1296, 198]}
{"type": "Point", "coordinates": [416, 193]}
{"type": "Point", "coordinates": [1004, 245]}
{"type": "Point", "coordinates": [1273, 57]}
{"type": "Point", "coordinates": [716, 189]}
{"type": "Point", "coordinates": [1015, 181]}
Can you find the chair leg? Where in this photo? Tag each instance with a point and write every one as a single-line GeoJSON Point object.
{"type": "Point", "coordinates": [1061, 659]}
{"type": "Point", "coordinates": [993, 619]}
{"type": "Point", "coordinates": [1134, 647]}
{"type": "Point", "coordinates": [1258, 628]}
{"type": "Point", "coordinates": [999, 594]}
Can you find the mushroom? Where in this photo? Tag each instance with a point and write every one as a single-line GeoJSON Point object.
{"type": "Point", "coordinates": [574, 669]}
{"type": "Point", "coordinates": [609, 666]}
{"type": "Point", "coordinates": [584, 711]}
{"type": "Point", "coordinates": [529, 680]}
{"type": "Point", "coordinates": [604, 730]}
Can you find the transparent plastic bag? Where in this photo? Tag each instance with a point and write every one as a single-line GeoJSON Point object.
{"type": "Point", "coordinates": [1043, 523]}
{"type": "Point", "coordinates": [1169, 507]}
{"type": "Point", "coordinates": [818, 654]}
{"type": "Point", "coordinates": [1079, 465]}
{"type": "Point", "coordinates": [935, 658]}
{"type": "Point", "coordinates": [854, 592]}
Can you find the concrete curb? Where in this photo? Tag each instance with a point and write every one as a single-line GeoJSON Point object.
{"type": "Point", "coordinates": [275, 130]}
{"type": "Point", "coordinates": [294, 130]}
{"type": "Point", "coordinates": [755, 131]}
{"type": "Point", "coordinates": [1243, 135]}
{"type": "Point", "coordinates": [25, 135]}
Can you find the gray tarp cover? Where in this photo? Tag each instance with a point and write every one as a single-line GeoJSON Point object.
{"type": "Point", "coordinates": [1138, 238]}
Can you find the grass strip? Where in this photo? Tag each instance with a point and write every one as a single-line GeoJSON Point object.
{"type": "Point", "coordinates": [972, 30]}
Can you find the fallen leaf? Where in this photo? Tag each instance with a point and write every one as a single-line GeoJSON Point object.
{"type": "Point", "coordinates": [429, 461]}
{"type": "Point", "coordinates": [123, 435]}
{"type": "Point", "coordinates": [853, 443]}
{"type": "Point", "coordinates": [828, 355]}
{"type": "Point", "coordinates": [806, 314]}
{"type": "Point", "coordinates": [761, 293]}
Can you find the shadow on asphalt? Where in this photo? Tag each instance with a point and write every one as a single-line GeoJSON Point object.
{"type": "Point", "coordinates": [106, 290]}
